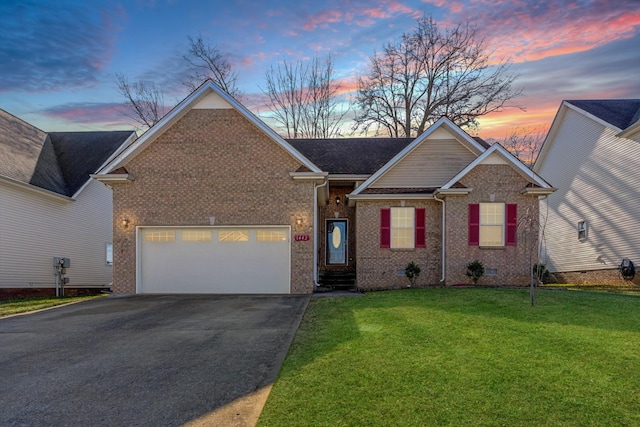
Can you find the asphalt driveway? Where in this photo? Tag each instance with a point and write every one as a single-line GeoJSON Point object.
{"type": "Point", "coordinates": [145, 360]}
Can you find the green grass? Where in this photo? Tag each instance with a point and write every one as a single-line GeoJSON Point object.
{"type": "Point", "coordinates": [476, 357]}
{"type": "Point", "coordinates": [24, 305]}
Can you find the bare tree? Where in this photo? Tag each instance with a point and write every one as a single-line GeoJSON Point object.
{"type": "Point", "coordinates": [208, 62]}
{"type": "Point", "coordinates": [144, 101]}
{"type": "Point", "coordinates": [304, 98]}
{"type": "Point", "coordinates": [525, 143]}
{"type": "Point", "coordinates": [430, 73]}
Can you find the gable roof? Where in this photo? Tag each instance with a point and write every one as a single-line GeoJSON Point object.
{"type": "Point", "coordinates": [207, 88]}
{"type": "Point", "coordinates": [354, 156]}
{"type": "Point", "coordinates": [59, 162]}
{"type": "Point", "coordinates": [620, 113]}
{"type": "Point", "coordinates": [474, 144]}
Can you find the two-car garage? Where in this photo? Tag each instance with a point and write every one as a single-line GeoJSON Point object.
{"type": "Point", "coordinates": [239, 259]}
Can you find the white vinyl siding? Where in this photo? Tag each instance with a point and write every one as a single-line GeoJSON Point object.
{"type": "Point", "coordinates": [34, 228]}
{"type": "Point", "coordinates": [431, 164]}
{"type": "Point", "coordinates": [596, 174]}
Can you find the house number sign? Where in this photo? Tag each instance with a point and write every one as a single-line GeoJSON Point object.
{"type": "Point", "coordinates": [301, 237]}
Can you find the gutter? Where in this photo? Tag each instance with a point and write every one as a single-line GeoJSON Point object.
{"type": "Point", "coordinates": [444, 210]}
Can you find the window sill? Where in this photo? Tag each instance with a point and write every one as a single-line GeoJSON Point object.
{"type": "Point", "coordinates": [493, 248]}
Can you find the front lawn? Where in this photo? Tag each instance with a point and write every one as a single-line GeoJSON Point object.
{"type": "Point", "coordinates": [24, 305]}
{"type": "Point", "coordinates": [422, 357]}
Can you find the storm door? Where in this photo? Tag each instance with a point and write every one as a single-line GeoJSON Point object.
{"type": "Point", "coordinates": [336, 242]}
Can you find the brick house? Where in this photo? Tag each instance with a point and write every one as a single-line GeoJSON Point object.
{"type": "Point", "coordinates": [212, 200]}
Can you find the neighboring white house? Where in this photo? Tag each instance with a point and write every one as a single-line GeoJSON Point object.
{"type": "Point", "coordinates": [50, 207]}
{"type": "Point", "coordinates": [592, 155]}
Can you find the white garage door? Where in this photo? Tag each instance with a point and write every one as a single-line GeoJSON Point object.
{"type": "Point", "coordinates": [222, 260]}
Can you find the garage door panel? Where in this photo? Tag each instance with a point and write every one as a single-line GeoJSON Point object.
{"type": "Point", "coordinates": [197, 261]}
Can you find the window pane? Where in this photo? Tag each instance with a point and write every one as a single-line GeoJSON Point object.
{"type": "Point", "coordinates": [491, 235]}
{"type": "Point", "coordinates": [491, 213]}
{"type": "Point", "coordinates": [402, 238]}
{"type": "Point", "coordinates": [270, 236]}
{"type": "Point", "coordinates": [196, 235]}
{"type": "Point", "coordinates": [160, 236]}
{"type": "Point", "coordinates": [233, 236]}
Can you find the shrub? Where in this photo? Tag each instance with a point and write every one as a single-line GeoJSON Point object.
{"type": "Point", "coordinates": [475, 270]}
{"type": "Point", "coordinates": [412, 271]}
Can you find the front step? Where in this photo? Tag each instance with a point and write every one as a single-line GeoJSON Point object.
{"type": "Point", "coordinates": [338, 279]}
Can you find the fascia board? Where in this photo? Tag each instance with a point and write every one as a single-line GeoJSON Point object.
{"type": "Point", "coordinates": [347, 177]}
{"type": "Point", "coordinates": [630, 131]}
{"type": "Point", "coordinates": [443, 121]}
{"type": "Point", "coordinates": [553, 130]}
{"type": "Point", "coordinates": [183, 107]}
{"type": "Point", "coordinates": [507, 156]}
{"type": "Point", "coordinates": [265, 128]}
{"type": "Point", "coordinates": [34, 189]}
{"type": "Point", "coordinates": [408, 196]}
{"type": "Point", "coordinates": [113, 178]}
{"type": "Point", "coordinates": [115, 154]}
{"type": "Point", "coordinates": [592, 117]}
{"type": "Point", "coordinates": [159, 128]}
{"type": "Point", "coordinates": [454, 191]}
{"type": "Point", "coordinates": [311, 176]}
{"type": "Point", "coordinates": [538, 191]}
{"type": "Point", "coordinates": [132, 138]}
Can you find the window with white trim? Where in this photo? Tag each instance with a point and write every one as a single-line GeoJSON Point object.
{"type": "Point", "coordinates": [402, 227]}
{"type": "Point", "coordinates": [492, 220]}
{"type": "Point", "coordinates": [233, 236]}
{"type": "Point", "coordinates": [160, 236]}
{"type": "Point", "coordinates": [582, 230]}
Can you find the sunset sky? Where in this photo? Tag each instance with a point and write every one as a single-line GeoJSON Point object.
{"type": "Point", "coordinates": [58, 58]}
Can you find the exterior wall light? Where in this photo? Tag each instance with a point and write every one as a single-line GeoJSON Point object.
{"type": "Point", "coordinates": [125, 222]}
{"type": "Point", "coordinates": [337, 200]}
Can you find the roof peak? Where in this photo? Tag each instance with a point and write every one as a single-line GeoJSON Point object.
{"type": "Point", "coordinates": [620, 113]}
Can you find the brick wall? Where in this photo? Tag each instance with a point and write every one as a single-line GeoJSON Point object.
{"type": "Point", "coordinates": [596, 277]}
{"type": "Point", "coordinates": [380, 268]}
{"type": "Point", "coordinates": [511, 262]}
{"type": "Point", "coordinates": [212, 163]}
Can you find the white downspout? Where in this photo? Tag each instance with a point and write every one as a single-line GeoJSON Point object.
{"type": "Point", "coordinates": [316, 230]}
{"type": "Point", "coordinates": [444, 210]}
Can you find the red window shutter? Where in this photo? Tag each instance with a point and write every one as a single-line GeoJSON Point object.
{"type": "Point", "coordinates": [474, 224]}
{"type": "Point", "coordinates": [385, 228]}
{"type": "Point", "coordinates": [512, 224]}
{"type": "Point", "coordinates": [420, 228]}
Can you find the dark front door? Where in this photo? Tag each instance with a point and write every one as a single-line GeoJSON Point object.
{"type": "Point", "coordinates": [336, 242]}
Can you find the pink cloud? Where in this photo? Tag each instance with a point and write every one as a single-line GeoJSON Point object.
{"type": "Point", "coordinates": [526, 31]}
{"type": "Point", "coordinates": [323, 19]}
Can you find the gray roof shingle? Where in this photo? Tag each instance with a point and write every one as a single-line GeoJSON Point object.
{"type": "Point", "coordinates": [621, 113]}
{"type": "Point", "coordinates": [58, 161]}
{"type": "Point", "coordinates": [353, 156]}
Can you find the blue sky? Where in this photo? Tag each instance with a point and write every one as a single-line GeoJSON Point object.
{"type": "Point", "coordinates": [58, 59]}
